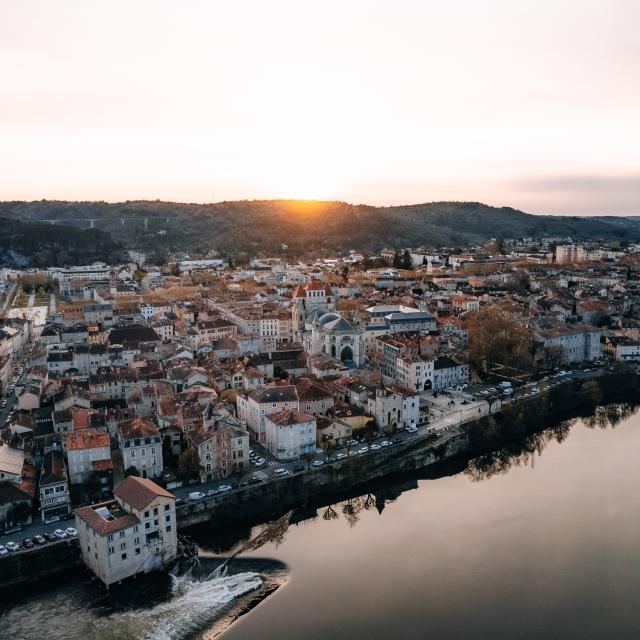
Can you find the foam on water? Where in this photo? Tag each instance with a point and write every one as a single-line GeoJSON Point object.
{"type": "Point", "coordinates": [193, 605]}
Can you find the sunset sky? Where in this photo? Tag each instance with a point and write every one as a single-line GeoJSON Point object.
{"type": "Point", "coordinates": [531, 104]}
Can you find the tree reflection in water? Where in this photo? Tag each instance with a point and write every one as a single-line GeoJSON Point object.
{"type": "Point", "coordinates": [525, 450]}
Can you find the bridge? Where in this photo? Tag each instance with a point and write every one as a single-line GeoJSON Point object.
{"type": "Point", "coordinates": [92, 221]}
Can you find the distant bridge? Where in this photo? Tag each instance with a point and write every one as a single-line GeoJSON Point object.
{"type": "Point", "coordinates": [92, 221]}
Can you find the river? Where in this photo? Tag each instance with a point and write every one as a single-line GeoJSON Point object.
{"type": "Point", "coordinates": [541, 545]}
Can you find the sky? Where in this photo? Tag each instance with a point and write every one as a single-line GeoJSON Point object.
{"type": "Point", "coordinates": [530, 104]}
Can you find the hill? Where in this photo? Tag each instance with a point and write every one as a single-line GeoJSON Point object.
{"type": "Point", "coordinates": [31, 244]}
{"type": "Point", "coordinates": [307, 227]}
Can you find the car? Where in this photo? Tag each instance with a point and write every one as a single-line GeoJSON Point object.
{"type": "Point", "coordinates": [318, 463]}
{"type": "Point", "coordinates": [4, 404]}
{"type": "Point", "coordinates": [194, 496]}
{"type": "Point", "coordinates": [353, 443]}
{"type": "Point", "coordinates": [340, 456]}
{"type": "Point", "coordinates": [179, 501]}
{"type": "Point", "coordinates": [363, 449]}
{"type": "Point", "coordinates": [376, 447]}
{"type": "Point", "coordinates": [244, 483]}
{"type": "Point", "coordinates": [280, 472]}
{"type": "Point", "coordinates": [38, 539]}
{"type": "Point", "coordinates": [254, 480]}
{"type": "Point", "coordinates": [50, 537]}
{"type": "Point", "coordinates": [298, 468]}
{"type": "Point", "coordinates": [385, 443]}
{"type": "Point", "coordinates": [60, 534]}
{"type": "Point", "coordinates": [3, 551]}
{"type": "Point", "coordinates": [71, 532]}
{"type": "Point", "coordinates": [27, 543]}
{"type": "Point", "coordinates": [259, 463]}
{"type": "Point", "coordinates": [52, 519]}
{"type": "Point", "coordinates": [224, 487]}
{"type": "Point", "coordinates": [12, 530]}
{"type": "Point", "coordinates": [12, 546]}
{"type": "Point", "coordinates": [212, 492]}
{"type": "Point", "coordinates": [396, 440]}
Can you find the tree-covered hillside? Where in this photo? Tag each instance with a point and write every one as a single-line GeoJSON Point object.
{"type": "Point", "coordinates": [310, 226]}
{"type": "Point", "coordinates": [28, 244]}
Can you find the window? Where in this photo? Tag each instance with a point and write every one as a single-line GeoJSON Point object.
{"type": "Point", "coordinates": [124, 556]}
{"type": "Point", "coordinates": [123, 545]}
{"type": "Point", "coordinates": [122, 534]}
{"type": "Point", "coordinates": [146, 514]}
{"type": "Point", "coordinates": [110, 538]}
{"type": "Point", "coordinates": [155, 511]}
{"type": "Point", "coordinates": [147, 525]}
{"type": "Point", "coordinates": [168, 528]}
{"type": "Point", "coordinates": [136, 541]}
{"type": "Point", "coordinates": [111, 550]}
{"type": "Point", "coordinates": [137, 551]}
{"type": "Point", "coordinates": [167, 507]}
{"type": "Point", "coordinates": [168, 517]}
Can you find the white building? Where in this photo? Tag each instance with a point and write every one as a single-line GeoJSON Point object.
{"type": "Point", "coordinates": [447, 372]}
{"type": "Point", "coordinates": [394, 404]}
{"type": "Point", "coordinates": [290, 434]}
{"type": "Point", "coordinates": [87, 450]}
{"type": "Point", "coordinates": [573, 343]}
{"type": "Point", "coordinates": [141, 446]}
{"type": "Point", "coordinates": [255, 406]}
{"type": "Point", "coordinates": [135, 533]}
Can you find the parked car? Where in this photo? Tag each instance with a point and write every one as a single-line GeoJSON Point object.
{"type": "Point", "coordinates": [340, 456]}
{"type": "Point", "coordinates": [50, 537]}
{"type": "Point", "coordinates": [211, 492]}
{"type": "Point", "coordinates": [71, 532]}
{"type": "Point", "coordinates": [281, 472]}
{"type": "Point", "coordinates": [27, 543]}
{"type": "Point", "coordinates": [375, 447]}
{"type": "Point", "coordinates": [318, 463]}
{"type": "Point", "coordinates": [12, 546]}
{"type": "Point", "coordinates": [38, 539]}
{"type": "Point", "coordinates": [60, 534]}
{"type": "Point", "coordinates": [194, 496]}
{"type": "Point", "coordinates": [254, 480]}
{"type": "Point", "coordinates": [224, 487]}
{"type": "Point", "coordinates": [3, 551]}
{"type": "Point", "coordinates": [52, 519]}
{"type": "Point", "coordinates": [298, 468]}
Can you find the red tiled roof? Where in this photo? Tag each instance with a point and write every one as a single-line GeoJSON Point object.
{"type": "Point", "coordinates": [139, 492]}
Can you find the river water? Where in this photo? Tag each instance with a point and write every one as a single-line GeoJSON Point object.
{"type": "Point", "coordinates": [540, 545]}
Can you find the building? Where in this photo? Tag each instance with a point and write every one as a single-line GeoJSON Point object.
{"type": "Point", "coordinates": [141, 447]}
{"type": "Point", "coordinates": [88, 451]}
{"type": "Point", "coordinates": [448, 372]}
{"type": "Point", "coordinates": [568, 253]}
{"type": "Point", "coordinates": [54, 486]}
{"type": "Point", "coordinates": [569, 343]}
{"type": "Point", "coordinates": [256, 405]}
{"type": "Point", "coordinates": [290, 434]}
{"type": "Point", "coordinates": [306, 298]}
{"type": "Point", "coordinates": [134, 533]}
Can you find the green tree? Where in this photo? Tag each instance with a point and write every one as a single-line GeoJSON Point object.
{"type": "Point", "coordinates": [131, 471]}
{"type": "Point", "coordinates": [406, 262]}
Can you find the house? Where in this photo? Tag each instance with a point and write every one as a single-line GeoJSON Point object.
{"type": "Point", "coordinates": [253, 407]}
{"type": "Point", "coordinates": [448, 372]}
{"type": "Point", "coordinates": [134, 533]}
{"type": "Point", "coordinates": [290, 434]}
{"type": "Point", "coordinates": [141, 446]}
{"type": "Point", "coordinates": [222, 444]}
{"type": "Point", "coordinates": [88, 451]}
{"type": "Point", "coordinates": [54, 486]}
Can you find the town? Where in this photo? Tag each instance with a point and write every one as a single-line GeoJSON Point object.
{"type": "Point", "coordinates": [131, 389]}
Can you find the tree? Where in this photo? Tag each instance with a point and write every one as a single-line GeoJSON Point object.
{"type": "Point", "coordinates": [406, 262]}
{"type": "Point", "coordinates": [189, 464]}
{"type": "Point", "coordinates": [131, 471]}
{"type": "Point", "coordinates": [397, 262]}
{"type": "Point", "coordinates": [329, 446]}
{"type": "Point", "coordinates": [498, 335]}
{"type": "Point", "coordinates": [308, 458]}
